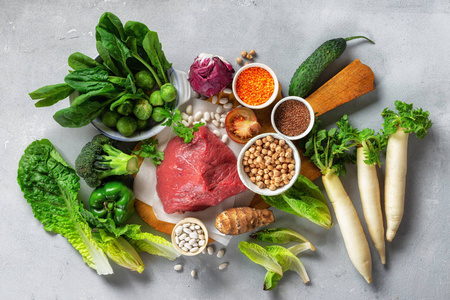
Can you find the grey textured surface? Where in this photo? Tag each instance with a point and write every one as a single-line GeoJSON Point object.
{"type": "Point", "coordinates": [410, 61]}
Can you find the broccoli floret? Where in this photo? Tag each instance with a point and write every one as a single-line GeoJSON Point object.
{"type": "Point", "coordinates": [100, 159]}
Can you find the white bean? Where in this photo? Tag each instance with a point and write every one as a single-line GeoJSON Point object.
{"type": "Point", "coordinates": [194, 273]}
{"type": "Point", "coordinates": [222, 125]}
{"type": "Point", "coordinates": [222, 120]}
{"type": "Point", "coordinates": [225, 138]}
{"type": "Point", "coordinates": [185, 123]}
{"type": "Point", "coordinates": [178, 230]}
{"type": "Point", "coordinates": [198, 115]}
{"type": "Point", "coordinates": [210, 250]}
{"type": "Point", "coordinates": [201, 236]}
{"type": "Point", "coordinates": [204, 250]}
{"type": "Point", "coordinates": [223, 101]}
{"type": "Point", "coordinates": [223, 266]}
{"type": "Point", "coordinates": [184, 116]}
{"type": "Point", "coordinates": [195, 249]}
{"type": "Point", "coordinates": [189, 109]}
{"type": "Point", "coordinates": [212, 115]}
{"type": "Point", "coordinates": [220, 253]}
{"type": "Point", "coordinates": [183, 236]}
{"type": "Point", "coordinates": [192, 242]}
{"type": "Point", "coordinates": [186, 224]}
{"type": "Point", "coordinates": [201, 242]}
{"type": "Point", "coordinates": [187, 245]}
{"type": "Point", "coordinates": [214, 99]}
{"type": "Point", "coordinates": [190, 120]}
{"type": "Point", "coordinates": [184, 249]}
{"type": "Point", "coordinates": [181, 244]}
{"type": "Point", "coordinates": [177, 240]}
{"type": "Point", "coordinates": [187, 230]}
{"type": "Point", "coordinates": [216, 132]}
{"type": "Point", "coordinates": [216, 123]}
{"type": "Point", "coordinates": [228, 105]}
{"type": "Point", "coordinates": [227, 91]}
{"type": "Point", "coordinates": [219, 109]}
{"type": "Point", "coordinates": [206, 117]}
{"type": "Point", "coordinates": [223, 116]}
{"type": "Point", "coordinates": [217, 117]}
{"type": "Point", "coordinates": [178, 267]}
{"type": "Point", "coordinates": [197, 227]}
{"type": "Point", "coordinates": [193, 235]}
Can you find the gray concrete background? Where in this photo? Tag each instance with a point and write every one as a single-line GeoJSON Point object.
{"type": "Point", "coordinates": [410, 60]}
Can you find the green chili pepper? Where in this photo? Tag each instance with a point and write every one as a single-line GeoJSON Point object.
{"type": "Point", "coordinates": [113, 201]}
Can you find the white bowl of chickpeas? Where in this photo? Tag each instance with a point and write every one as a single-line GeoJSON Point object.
{"type": "Point", "coordinates": [268, 164]}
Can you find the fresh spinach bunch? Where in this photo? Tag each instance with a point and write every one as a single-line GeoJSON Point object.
{"type": "Point", "coordinates": [123, 51]}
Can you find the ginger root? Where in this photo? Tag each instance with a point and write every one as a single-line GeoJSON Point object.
{"type": "Point", "coordinates": [238, 220]}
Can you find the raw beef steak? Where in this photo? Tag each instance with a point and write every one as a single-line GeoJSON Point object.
{"type": "Point", "coordinates": [197, 175]}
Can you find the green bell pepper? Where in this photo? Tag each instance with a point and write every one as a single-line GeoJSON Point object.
{"type": "Point", "coordinates": [113, 201]}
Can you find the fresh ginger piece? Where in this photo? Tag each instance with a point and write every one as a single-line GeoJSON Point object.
{"type": "Point", "coordinates": [238, 220]}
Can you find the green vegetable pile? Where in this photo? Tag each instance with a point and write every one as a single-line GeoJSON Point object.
{"type": "Point", "coordinates": [51, 187]}
{"type": "Point", "coordinates": [127, 87]}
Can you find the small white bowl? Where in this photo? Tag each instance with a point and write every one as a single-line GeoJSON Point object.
{"type": "Point", "coordinates": [311, 116]}
{"type": "Point", "coordinates": [253, 187]}
{"type": "Point", "coordinates": [197, 222]}
{"type": "Point", "coordinates": [275, 81]}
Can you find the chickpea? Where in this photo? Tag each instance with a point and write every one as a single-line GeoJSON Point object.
{"type": "Point", "coordinates": [282, 142]}
{"type": "Point", "coordinates": [288, 159]}
{"type": "Point", "coordinates": [291, 166]}
{"type": "Point", "coordinates": [244, 53]}
{"type": "Point", "coordinates": [266, 171]}
{"type": "Point", "coordinates": [269, 153]}
{"type": "Point", "coordinates": [270, 138]}
{"type": "Point", "coordinates": [258, 142]}
{"type": "Point", "coordinates": [252, 165]}
{"type": "Point", "coordinates": [278, 167]}
{"type": "Point", "coordinates": [286, 181]}
{"type": "Point", "coordinates": [267, 145]}
{"type": "Point", "coordinates": [292, 173]}
{"type": "Point", "coordinates": [245, 163]}
{"type": "Point", "coordinates": [247, 169]}
{"type": "Point", "coordinates": [284, 166]}
{"type": "Point", "coordinates": [272, 187]}
{"type": "Point", "coordinates": [249, 56]}
{"type": "Point", "coordinates": [281, 184]}
{"type": "Point", "coordinates": [281, 159]}
{"type": "Point", "coordinates": [290, 176]}
{"type": "Point", "coordinates": [252, 156]}
{"type": "Point", "coordinates": [278, 149]}
{"type": "Point", "coordinates": [250, 161]}
{"type": "Point", "coordinates": [258, 148]}
{"type": "Point", "coordinates": [253, 179]}
{"type": "Point", "coordinates": [239, 60]}
{"type": "Point", "coordinates": [276, 173]}
{"type": "Point", "coordinates": [286, 146]}
{"type": "Point", "coordinates": [267, 182]}
{"type": "Point", "coordinates": [283, 171]}
{"type": "Point", "coordinates": [288, 150]}
{"type": "Point", "coordinates": [266, 176]}
{"type": "Point", "coordinates": [261, 185]}
{"type": "Point", "coordinates": [247, 153]}
{"type": "Point", "coordinates": [254, 171]}
{"type": "Point", "coordinates": [282, 154]}
{"type": "Point", "coordinates": [259, 159]}
{"type": "Point", "coordinates": [264, 151]}
{"type": "Point", "coordinates": [277, 179]}
{"type": "Point", "coordinates": [260, 172]}
{"type": "Point", "coordinates": [252, 52]}
{"type": "Point", "coordinates": [264, 140]}
{"type": "Point", "coordinates": [276, 141]}
{"type": "Point", "coordinates": [258, 178]}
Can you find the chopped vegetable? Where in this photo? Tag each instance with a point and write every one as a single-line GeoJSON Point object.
{"type": "Point", "coordinates": [238, 220]}
{"type": "Point", "coordinates": [149, 148]}
{"type": "Point", "coordinates": [260, 256]}
{"type": "Point", "coordinates": [99, 159]}
{"type": "Point", "coordinates": [114, 200]}
{"type": "Point", "coordinates": [51, 186]}
{"type": "Point", "coordinates": [369, 145]}
{"type": "Point", "coordinates": [397, 127]}
{"type": "Point", "coordinates": [303, 199]}
{"type": "Point", "coordinates": [210, 74]}
{"type": "Point", "coordinates": [329, 152]}
{"type": "Point", "coordinates": [174, 119]}
{"type": "Point", "coordinates": [278, 236]}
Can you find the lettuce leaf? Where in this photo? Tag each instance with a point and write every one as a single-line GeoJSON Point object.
{"type": "Point", "coordinates": [51, 186]}
{"type": "Point", "coordinates": [303, 199]}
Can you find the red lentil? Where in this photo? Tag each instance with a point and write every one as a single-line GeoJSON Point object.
{"type": "Point", "coordinates": [255, 86]}
{"type": "Point", "coordinates": [292, 118]}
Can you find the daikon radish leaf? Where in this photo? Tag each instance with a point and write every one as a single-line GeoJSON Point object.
{"type": "Point", "coordinates": [260, 256]}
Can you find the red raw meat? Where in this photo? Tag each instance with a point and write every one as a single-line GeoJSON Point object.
{"type": "Point", "coordinates": [197, 175]}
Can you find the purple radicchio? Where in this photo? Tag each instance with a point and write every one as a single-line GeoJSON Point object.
{"type": "Point", "coordinates": [210, 74]}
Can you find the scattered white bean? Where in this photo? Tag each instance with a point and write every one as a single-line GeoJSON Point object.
{"type": "Point", "coordinates": [216, 132]}
{"type": "Point", "coordinates": [185, 123]}
{"type": "Point", "coordinates": [216, 123]}
{"type": "Point", "coordinates": [222, 120]}
{"type": "Point", "coordinates": [217, 117]}
{"type": "Point", "coordinates": [184, 116]}
{"type": "Point", "coordinates": [204, 250]}
{"type": "Point", "coordinates": [225, 138]}
{"type": "Point", "coordinates": [223, 266]}
{"type": "Point", "coordinates": [194, 273]}
{"type": "Point", "coordinates": [190, 120]}
{"type": "Point", "coordinates": [212, 115]}
{"type": "Point", "coordinates": [223, 116]}
{"type": "Point", "coordinates": [219, 109]}
{"type": "Point", "coordinates": [210, 250]}
{"type": "Point", "coordinates": [220, 253]}
{"type": "Point", "coordinates": [189, 109]}
{"type": "Point", "coordinates": [222, 125]}
{"type": "Point", "coordinates": [202, 121]}
{"type": "Point", "coordinates": [214, 99]}
{"type": "Point", "coordinates": [206, 117]}
{"type": "Point", "coordinates": [227, 91]}
{"type": "Point", "coordinates": [178, 267]}
{"type": "Point", "coordinates": [198, 115]}
{"type": "Point", "coordinates": [223, 101]}
{"type": "Point", "coordinates": [228, 105]}
{"type": "Point", "coordinates": [194, 249]}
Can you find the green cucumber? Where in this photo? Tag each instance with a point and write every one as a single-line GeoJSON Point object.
{"type": "Point", "coordinates": [309, 71]}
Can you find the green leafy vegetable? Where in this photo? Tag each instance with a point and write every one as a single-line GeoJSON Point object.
{"type": "Point", "coordinates": [288, 261]}
{"type": "Point", "coordinates": [409, 120]}
{"type": "Point", "coordinates": [261, 256]}
{"type": "Point", "coordinates": [153, 48]}
{"type": "Point", "coordinates": [174, 119]}
{"type": "Point", "coordinates": [87, 80]}
{"type": "Point", "coordinates": [51, 186]}
{"type": "Point", "coordinates": [305, 200]}
{"type": "Point", "coordinates": [51, 94]}
{"type": "Point", "coordinates": [149, 148]}
{"type": "Point", "coordinates": [278, 236]}
{"type": "Point", "coordinates": [79, 61]}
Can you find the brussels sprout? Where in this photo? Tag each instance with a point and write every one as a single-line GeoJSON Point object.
{"type": "Point", "coordinates": [142, 109]}
{"type": "Point", "coordinates": [126, 126]}
{"type": "Point", "coordinates": [125, 108]}
{"type": "Point", "coordinates": [168, 92]}
{"type": "Point", "coordinates": [141, 124]}
{"type": "Point", "coordinates": [158, 114]}
{"type": "Point", "coordinates": [155, 99]}
{"type": "Point", "coordinates": [110, 118]}
{"type": "Point", "coordinates": [144, 80]}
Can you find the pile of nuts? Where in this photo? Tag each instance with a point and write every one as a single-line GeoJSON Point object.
{"type": "Point", "coordinates": [269, 163]}
{"type": "Point", "coordinates": [190, 237]}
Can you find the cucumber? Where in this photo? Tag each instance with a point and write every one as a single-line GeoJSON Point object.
{"type": "Point", "coordinates": [309, 71]}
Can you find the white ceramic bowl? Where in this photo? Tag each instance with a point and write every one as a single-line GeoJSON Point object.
{"type": "Point", "coordinates": [197, 222]}
{"type": "Point", "coordinates": [253, 187]}
{"type": "Point", "coordinates": [179, 80]}
{"type": "Point", "coordinates": [275, 90]}
{"type": "Point", "coordinates": [311, 116]}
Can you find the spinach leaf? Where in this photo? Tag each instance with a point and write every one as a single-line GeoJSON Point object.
{"type": "Point", "coordinates": [108, 62]}
{"type": "Point", "coordinates": [124, 98]}
{"type": "Point", "coordinates": [79, 61]}
{"type": "Point", "coordinates": [137, 30]}
{"type": "Point", "coordinates": [153, 48]}
{"type": "Point", "coordinates": [115, 47]}
{"type": "Point", "coordinates": [82, 114]}
{"type": "Point", "coordinates": [106, 91]}
{"type": "Point", "coordinates": [305, 200]}
{"type": "Point", "coordinates": [51, 94]}
{"type": "Point", "coordinates": [51, 186]}
{"type": "Point", "coordinates": [87, 80]}
{"type": "Point", "coordinates": [112, 24]}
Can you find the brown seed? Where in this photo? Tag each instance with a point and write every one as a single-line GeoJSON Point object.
{"type": "Point", "coordinates": [249, 56]}
{"type": "Point", "coordinates": [239, 60]}
{"type": "Point", "coordinates": [252, 52]}
{"type": "Point", "coordinates": [244, 54]}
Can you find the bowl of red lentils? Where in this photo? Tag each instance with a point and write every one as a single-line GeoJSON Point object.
{"type": "Point", "coordinates": [292, 117]}
{"type": "Point", "coordinates": [268, 164]}
{"type": "Point", "coordinates": [255, 86]}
